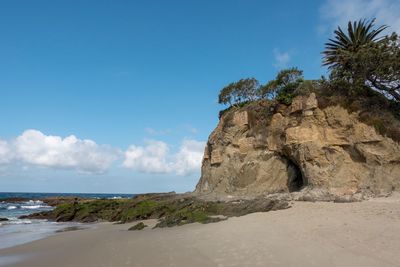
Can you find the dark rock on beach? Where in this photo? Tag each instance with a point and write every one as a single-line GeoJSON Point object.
{"type": "Point", "coordinates": [138, 227]}
{"type": "Point", "coordinates": [169, 208]}
{"type": "Point", "coordinates": [44, 215]}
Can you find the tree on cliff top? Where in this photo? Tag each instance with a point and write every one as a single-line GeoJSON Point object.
{"type": "Point", "coordinates": [364, 60]}
{"type": "Point", "coordinates": [238, 92]}
{"type": "Point", "coordinates": [284, 86]}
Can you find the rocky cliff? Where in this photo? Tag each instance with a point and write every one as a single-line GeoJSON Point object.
{"type": "Point", "coordinates": [266, 148]}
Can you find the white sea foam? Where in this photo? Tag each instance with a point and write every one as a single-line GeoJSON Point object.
{"type": "Point", "coordinates": [12, 207]}
{"type": "Point", "coordinates": [32, 202]}
{"type": "Point", "coordinates": [19, 222]}
{"type": "Point", "coordinates": [118, 197]}
{"type": "Point", "coordinates": [34, 207]}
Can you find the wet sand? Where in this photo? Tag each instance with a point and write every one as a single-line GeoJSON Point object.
{"type": "Point", "coordinates": [308, 234]}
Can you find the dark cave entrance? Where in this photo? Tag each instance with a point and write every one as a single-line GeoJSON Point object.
{"type": "Point", "coordinates": [295, 178]}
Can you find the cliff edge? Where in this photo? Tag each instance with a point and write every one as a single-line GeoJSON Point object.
{"type": "Point", "coordinates": [266, 148]}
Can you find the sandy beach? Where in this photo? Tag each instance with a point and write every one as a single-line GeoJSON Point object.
{"type": "Point", "coordinates": [308, 234]}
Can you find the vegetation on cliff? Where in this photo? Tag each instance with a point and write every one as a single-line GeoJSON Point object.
{"type": "Point", "coordinates": [359, 61]}
{"type": "Point", "coordinates": [364, 60]}
{"type": "Point", "coordinates": [364, 77]}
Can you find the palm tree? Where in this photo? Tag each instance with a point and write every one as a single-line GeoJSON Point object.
{"type": "Point", "coordinates": [358, 34]}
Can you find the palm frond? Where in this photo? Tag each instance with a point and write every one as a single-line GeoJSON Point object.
{"type": "Point", "coordinates": [359, 33]}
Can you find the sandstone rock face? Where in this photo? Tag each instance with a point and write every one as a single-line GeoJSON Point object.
{"type": "Point", "coordinates": [298, 147]}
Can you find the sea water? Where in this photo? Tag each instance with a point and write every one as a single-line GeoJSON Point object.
{"type": "Point", "coordinates": [17, 231]}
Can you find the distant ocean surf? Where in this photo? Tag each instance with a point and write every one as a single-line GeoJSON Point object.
{"type": "Point", "coordinates": [17, 231]}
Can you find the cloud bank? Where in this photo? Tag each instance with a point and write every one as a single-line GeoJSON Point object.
{"type": "Point", "coordinates": [34, 148]}
{"type": "Point", "coordinates": [339, 12]}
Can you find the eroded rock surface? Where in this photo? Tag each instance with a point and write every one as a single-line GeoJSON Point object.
{"type": "Point", "coordinates": [266, 149]}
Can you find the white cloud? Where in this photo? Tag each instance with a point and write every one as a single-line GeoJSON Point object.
{"type": "Point", "coordinates": [339, 12]}
{"type": "Point", "coordinates": [281, 58]}
{"type": "Point", "coordinates": [6, 154]}
{"type": "Point", "coordinates": [155, 157]}
{"type": "Point", "coordinates": [189, 157]}
{"type": "Point", "coordinates": [149, 158]}
{"type": "Point", "coordinates": [35, 148]}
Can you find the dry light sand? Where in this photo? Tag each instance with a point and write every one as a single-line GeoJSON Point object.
{"type": "Point", "coordinates": [308, 234]}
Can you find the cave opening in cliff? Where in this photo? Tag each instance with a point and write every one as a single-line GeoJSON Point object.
{"type": "Point", "coordinates": [295, 178]}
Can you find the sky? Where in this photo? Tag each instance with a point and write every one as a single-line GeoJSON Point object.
{"type": "Point", "coordinates": [120, 96]}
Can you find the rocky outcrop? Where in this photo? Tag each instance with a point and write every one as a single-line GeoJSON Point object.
{"type": "Point", "coordinates": [264, 148]}
{"type": "Point", "coordinates": [169, 209]}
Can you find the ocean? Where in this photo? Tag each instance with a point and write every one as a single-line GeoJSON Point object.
{"type": "Point", "coordinates": [17, 231]}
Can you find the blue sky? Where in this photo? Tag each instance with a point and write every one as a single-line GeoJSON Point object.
{"type": "Point", "coordinates": [120, 96]}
